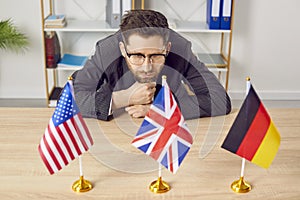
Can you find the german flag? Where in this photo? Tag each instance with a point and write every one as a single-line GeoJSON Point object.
{"type": "Point", "coordinates": [253, 135]}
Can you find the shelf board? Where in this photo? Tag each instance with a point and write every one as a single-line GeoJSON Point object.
{"type": "Point", "coordinates": [69, 68]}
{"type": "Point", "coordinates": [102, 26]}
{"type": "Point", "coordinates": [214, 62]}
{"type": "Point", "coordinates": [195, 27]}
{"type": "Point", "coordinates": [84, 26]}
{"type": "Point", "coordinates": [217, 69]}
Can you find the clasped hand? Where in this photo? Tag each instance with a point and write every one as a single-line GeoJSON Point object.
{"type": "Point", "coordinates": [136, 99]}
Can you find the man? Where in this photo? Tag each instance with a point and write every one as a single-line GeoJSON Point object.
{"type": "Point", "coordinates": [126, 68]}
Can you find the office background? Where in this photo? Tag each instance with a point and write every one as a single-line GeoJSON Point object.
{"type": "Point", "coordinates": [265, 47]}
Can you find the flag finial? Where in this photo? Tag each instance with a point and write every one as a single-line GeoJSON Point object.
{"type": "Point", "coordinates": [163, 80]}
{"type": "Point", "coordinates": [70, 78]}
{"type": "Point", "coordinates": [247, 78]}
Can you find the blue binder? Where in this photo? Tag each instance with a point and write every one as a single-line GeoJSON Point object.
{"type": "Point", "coordinates": [226, 7]}
{"type": "Point", "coordinates": [213, 14]}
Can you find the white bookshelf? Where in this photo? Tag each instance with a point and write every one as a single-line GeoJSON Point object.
{"type": "Point", "coordinates": [217, 62]}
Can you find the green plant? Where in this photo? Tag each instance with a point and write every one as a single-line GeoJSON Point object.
{"type": "Point", "coordinates": [11, 38]}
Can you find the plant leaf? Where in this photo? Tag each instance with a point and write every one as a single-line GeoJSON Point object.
{"type": "Point", "coordinates": [11, 38]}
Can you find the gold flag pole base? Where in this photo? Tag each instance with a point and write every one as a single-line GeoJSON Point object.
{"type": "Point", "coordinates": [159, 186]}
{"type": "Point", "coordinates": [240, 186]}
{"type": "Point", "coordinates": [82, 185]}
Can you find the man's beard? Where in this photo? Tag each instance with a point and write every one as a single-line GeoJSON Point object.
{"type": "Point", "coordinates": [138, 77]}
{"type": "Point", "coordinates": [145, 80]}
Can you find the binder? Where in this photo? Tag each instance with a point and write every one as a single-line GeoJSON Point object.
{"type": "Point", "coordinates": [226, 6]}
{"type": "Point", "coordinates": [113, 13]}
{"type": "Point", "coordinates": [126, 6]}
{"type": "Point", "coordinates": [213, 14]}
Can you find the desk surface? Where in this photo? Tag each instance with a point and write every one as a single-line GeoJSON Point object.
{"type": "Point", "coordinates": [119, 171]}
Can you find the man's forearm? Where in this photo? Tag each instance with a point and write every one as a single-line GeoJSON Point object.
{"type": "Point", "coordinates": [119, 99]}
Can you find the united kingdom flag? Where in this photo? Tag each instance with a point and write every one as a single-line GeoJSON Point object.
{"type": "Point", "coordinates": [164, 134]}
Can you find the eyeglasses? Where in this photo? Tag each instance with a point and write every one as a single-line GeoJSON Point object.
{"type": "Point", "coordinates": [139, 58]}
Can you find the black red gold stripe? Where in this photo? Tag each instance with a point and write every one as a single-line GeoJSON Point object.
{"type": "Point", "coordinates": [253, 135]}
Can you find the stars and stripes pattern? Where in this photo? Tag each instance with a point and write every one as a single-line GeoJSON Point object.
{"type": "Point", "coordinates": [163, 134]}
{"type": "Point", "coordinates": [66, 136]}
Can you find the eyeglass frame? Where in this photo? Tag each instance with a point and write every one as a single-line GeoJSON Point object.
{"type": "Point", "coordinates": [144, 56]}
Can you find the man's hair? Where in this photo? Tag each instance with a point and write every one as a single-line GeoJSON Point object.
{"type": "Point", "coordinates": [144, 23]}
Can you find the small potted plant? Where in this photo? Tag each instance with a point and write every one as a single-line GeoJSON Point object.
{"type": "Point", "coordinates": [11, 38]}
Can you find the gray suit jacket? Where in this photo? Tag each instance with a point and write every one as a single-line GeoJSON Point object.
{"type": "Point", "coordinates": [106, 71]}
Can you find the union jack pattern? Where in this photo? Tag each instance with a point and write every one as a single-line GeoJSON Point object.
{"type": "Point", "coordinates": [163, 134]}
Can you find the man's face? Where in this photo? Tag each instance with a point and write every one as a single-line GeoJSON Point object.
{"type": "Point", "coordinates": [145, 56]}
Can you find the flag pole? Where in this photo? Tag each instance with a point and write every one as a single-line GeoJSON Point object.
{"type": "Point", "coordinates": [160, 186]}
{"type": "Point", "coordinates": [81, 185]}
{"type": "Point", "coordinates": [248, 84]}
{"type": "Point", "coordinates": [243, 167]}
{"type": "Point", "coordinates": [159, 170]}
{"type": "Point", "coordinates": [241, 186]}
{"type": "Point", "coordinates": [80, 166]}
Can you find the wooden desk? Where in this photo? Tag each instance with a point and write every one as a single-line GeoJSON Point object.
{"type": "Point", "coordinates": [24, 176]}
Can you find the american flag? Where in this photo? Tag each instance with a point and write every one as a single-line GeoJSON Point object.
{"type": "Point", "coordinates": [163, 134]}
{"type": "Point", "coordinates": [66, 136]}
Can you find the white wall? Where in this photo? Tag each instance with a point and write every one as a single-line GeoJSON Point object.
{"type": "Point", "coordinates": [22, 75]}
{"type": "Point", "coordinates": [265, 47]}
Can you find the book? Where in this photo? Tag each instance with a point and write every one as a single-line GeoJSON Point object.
{"type": "Point", "coordinates": [55, 21]}
{"type": "Point", "coordinates": [55, 25]}
{"type": "Point", "coordinates": [70, 60]}
{"type": "Point", "coordinates": [52, 49]}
